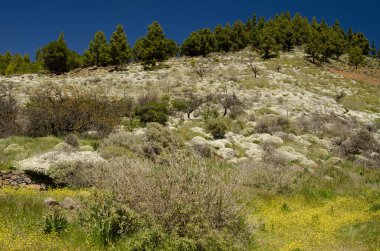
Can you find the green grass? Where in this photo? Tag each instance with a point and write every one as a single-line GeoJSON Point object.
{"type": "Point", "coordinates": [22, 217]}
{"type": "Point", "coordinates": [27, 147]}
{"type": "Point", "coordinates": [367, 98]}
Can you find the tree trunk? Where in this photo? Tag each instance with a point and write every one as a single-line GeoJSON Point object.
{"type": "Point", "coordinates": [225, 112]}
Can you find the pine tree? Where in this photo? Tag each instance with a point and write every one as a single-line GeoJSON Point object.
{"type": "Point", "coordinates": [98, 50]}
{"type": "Point", "coordinates": [359, 39]}
{"type": "Point", "coordinates": [61, 37]}
{"type": "Point", "coordinates": [55, 56]}
{"type": "Point", "coordinates": [284, 32]}
{"type": "Point", "coordinates": [267, 44]}
{"type": "Point", "coordinates": [154, 46]}
{"type": "Point", "coordinates": [350, 35]}
{"type": "Point", "coordinates": [255, 33]}
{"type": "Point", "coordinates": [120, 50]}
{"type": "Point", "coordinates": [223, 38]}
{"type": "Point", "coordinates": [199, 43]}
{"type": "Point", "coordinates": [325, 42]}
{"type": "Point", "coordinates": [373, 49]}
{"type": "Point", "coordinates": [239, 36]}
{"type": "Point", "coordinates": [301, 29]}
{"type": "Point", "coordinates": [338, 39]}
{"type": "Point", "coordinates": [356, 57]}
{"type": "Point", "coordinates": [313, 45]}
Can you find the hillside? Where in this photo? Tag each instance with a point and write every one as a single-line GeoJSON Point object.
{"type": "Point", "coordinates": [293, 165]}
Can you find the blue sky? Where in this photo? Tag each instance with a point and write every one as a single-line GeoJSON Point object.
{"type": "Point", "coordinates": [26, 25]}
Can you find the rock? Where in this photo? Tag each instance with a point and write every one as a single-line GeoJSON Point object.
{"type": "Point", "coordinates": [50, 202]}
{"type": "Point", "coordinates": [5, 183]}
{"type": "Point", "coordinates": [41, 163]}
{"type": "Point", "coordinates": [86, 149]}
{"type": "Point", "coordinates": [1, 183]}
{"type": "Point", "coordinates": [69, 203]}
{"type": "Point", "coordinates": [226, 153]}
{"type": "Point", "coordinates": [12, 148]}
{"type": "Point", "coordinates": [34, 187]}
{"type": "Point", "coordinates": [27, 181]}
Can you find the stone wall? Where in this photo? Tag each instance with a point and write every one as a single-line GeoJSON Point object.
{"type": "Point", "coordinates": [16, 178]}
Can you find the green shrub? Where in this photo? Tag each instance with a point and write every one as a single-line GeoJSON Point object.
{"type": "Point", "coordinates": [109, 220]}
{"type": "Point", "coordinates": [159, 139]}
{"type": "Point", "coordinates": [184, 196]}
{"type": "Point", "coordinates": [55, 223]}
{"type": "Point", "coordinates": [217, 127]}
{"type": "Point", "coordinates": [152, 112]}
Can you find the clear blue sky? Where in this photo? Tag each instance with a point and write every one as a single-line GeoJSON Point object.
{"type": "Point", "coordinates": [27, 25]}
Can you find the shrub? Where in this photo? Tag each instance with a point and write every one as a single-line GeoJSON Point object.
{"type": "Point", "coordinates": [158, 139]}
{"type": "Point", "coordinates": [77, 174]}
{"type": "Point", "coordinates": [57, 111]}
{"type": "Point", "coordinates": [273, 124]}
{"type": "Point", "coordinates": [108, 219]}
{"type": "Point", "coordinates": [210, 113]}
{"type": "Point", "coordinates": [181, 201]}
{"type": "Point", "coordinates": [152, 112]}
{"type": "Point", "coordinates": [266, 176]}
{"type": "Point", "coordinates": [9, 112]}
{"type": "Point", "coordinates": [184, 196]}
{"type": "Point", "coordinates": [326, 125]}
{"type": "Point", "coordinates": [72, 140]}
{"type": "Point", "coordinates": [55, 223]}
{"type": "Point", "coordinates": [217, 127]}
{"type": "Point", "coordinates": [361, 142]}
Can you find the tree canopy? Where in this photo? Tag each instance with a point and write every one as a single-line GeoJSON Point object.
{"type": "Point", "coordinates": [154, 46]}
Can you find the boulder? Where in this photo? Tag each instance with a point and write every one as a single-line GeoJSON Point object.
{"type": "Point", "coordinates": [43, 162]}
{"type": "Point", "coordinates": [50, 202]}
{"type": "Point", "coordinates": [69, 203]}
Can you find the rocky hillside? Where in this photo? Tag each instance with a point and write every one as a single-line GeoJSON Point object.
{"type": "Point", "coordinates": [281, 154]}
{"type": "Point", "coordinates": [289, 87]}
